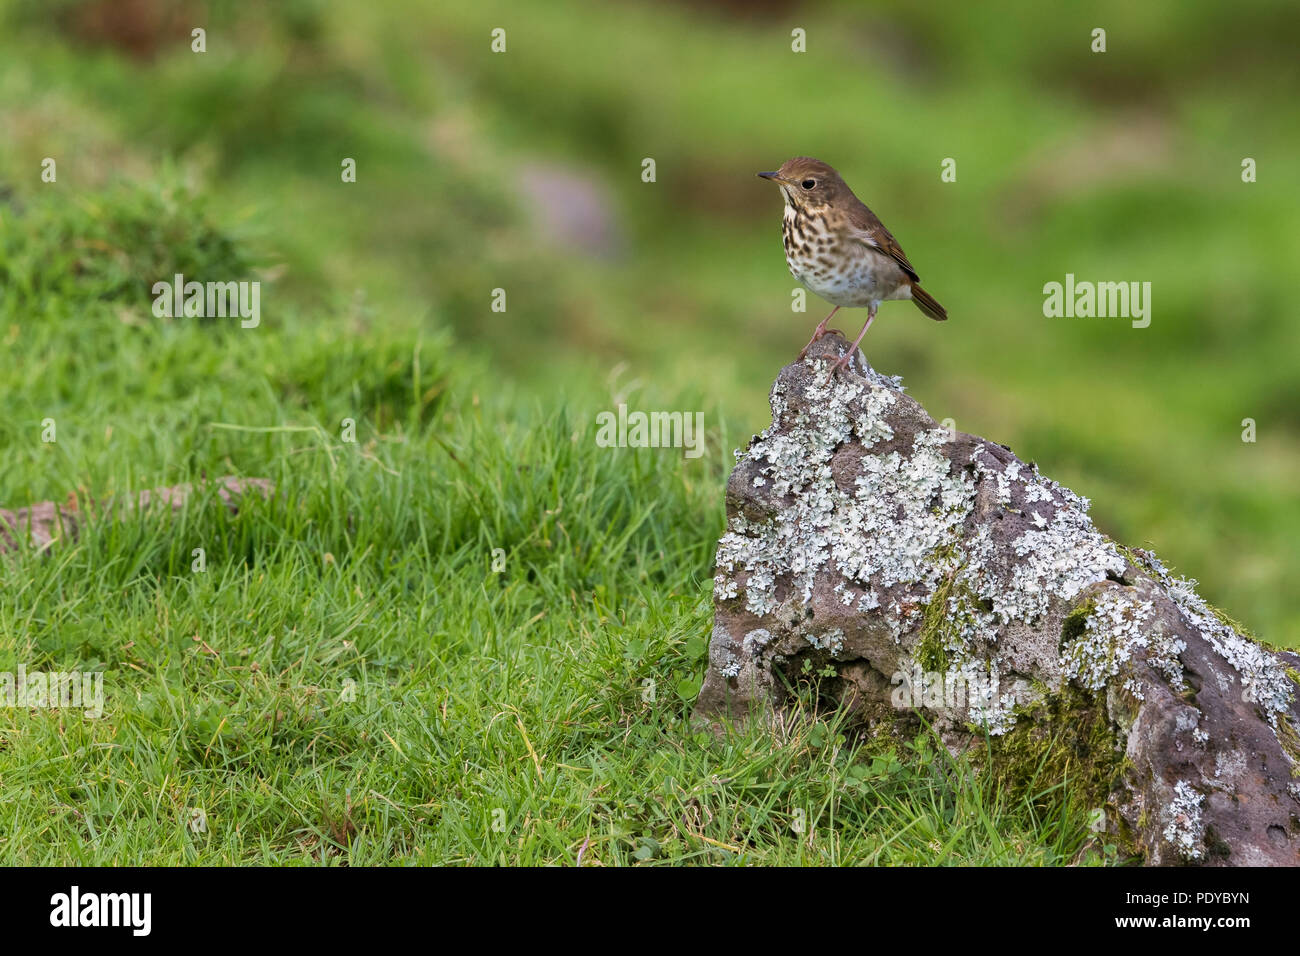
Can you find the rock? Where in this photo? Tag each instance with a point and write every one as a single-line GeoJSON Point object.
{"type": "Point", "coordinates": [937, 576]}
{"type": "Point", "coordinates": [46, 522]}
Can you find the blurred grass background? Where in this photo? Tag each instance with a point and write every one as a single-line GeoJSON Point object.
{"type": "Point", "coordinates": [1117, 166]}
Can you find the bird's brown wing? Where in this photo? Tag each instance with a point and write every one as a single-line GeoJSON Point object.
{"type": "Point", "coordinates": [866, 228]}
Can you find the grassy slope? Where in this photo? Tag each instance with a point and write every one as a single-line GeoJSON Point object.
{"type": "Point", "coordinates": [522, 691]}
{"type": "Point", "coordinates": [1124, 166]}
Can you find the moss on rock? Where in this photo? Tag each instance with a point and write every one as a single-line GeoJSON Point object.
{"type": "Point", "coordinates": [931, 650]}
{"type": "Point", "coordinates": [1065, 744]}
{"type": "Point", "coordinates": [1076, 622]}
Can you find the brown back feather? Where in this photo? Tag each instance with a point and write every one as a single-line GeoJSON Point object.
{"type": "Point", "coordinates": [867, 225]}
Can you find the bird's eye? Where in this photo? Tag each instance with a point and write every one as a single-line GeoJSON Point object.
{"type": "Point", "coordinates": [808, 183]}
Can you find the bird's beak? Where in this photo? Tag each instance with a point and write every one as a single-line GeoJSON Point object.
{"type": "Point", "coordinates": [775, 177]}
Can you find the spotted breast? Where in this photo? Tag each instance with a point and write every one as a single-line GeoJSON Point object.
{"type": "Point", "coordinates": [819, 256]}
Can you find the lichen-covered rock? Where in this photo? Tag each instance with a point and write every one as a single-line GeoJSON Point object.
{"type": "Point", "coordinates": [936, 575]}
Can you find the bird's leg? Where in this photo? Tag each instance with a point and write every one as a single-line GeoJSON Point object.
{"type": "Point", "coordinates": [821, 330]}
{"type": "Point", "coordinates": [848, 356]}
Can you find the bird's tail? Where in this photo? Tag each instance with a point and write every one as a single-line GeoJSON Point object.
{"type": "Point", "coordinates": [928, 304]}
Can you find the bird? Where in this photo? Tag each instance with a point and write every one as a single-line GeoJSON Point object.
{"type": "Point", "coordinates": [840, 250]}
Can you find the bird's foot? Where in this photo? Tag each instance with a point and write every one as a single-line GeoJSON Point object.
{"type": "Point", "coordinates": [842, 363]}
{"type": "Point", "coordinates": [803, 353]}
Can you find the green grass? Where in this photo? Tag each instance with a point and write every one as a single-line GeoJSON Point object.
{"type": "Point", "coordinates": [510, 715]}
{"type": "Point", "coordinates": [523, 691]}
{"type": "Point", "coordinates": [1124, 165]}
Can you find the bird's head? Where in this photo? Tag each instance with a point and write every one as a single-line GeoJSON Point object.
{"type": "Point", "coordinates": [808, 184]}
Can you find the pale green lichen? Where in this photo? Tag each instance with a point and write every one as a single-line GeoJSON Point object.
{"type": "Point", "coordinates": [1115, 628]}
{"type": "Point", "coordinates": [880, 534]}
{"type": "Point", "coordinates": [1184, 828]}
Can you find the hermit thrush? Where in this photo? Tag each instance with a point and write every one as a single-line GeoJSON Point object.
{"type": "Point", "coordinates": [837, 247]}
